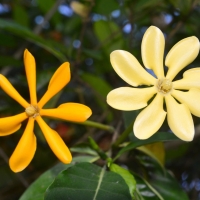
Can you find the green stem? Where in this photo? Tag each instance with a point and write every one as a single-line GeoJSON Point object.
{"type": "Point", "coordinates": [97, 125]}
{"type": "Point", "coordinates": [124, 135]}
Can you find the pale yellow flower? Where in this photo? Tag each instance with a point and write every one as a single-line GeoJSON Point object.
{"type": "Point", "coordinates": [182, 97]}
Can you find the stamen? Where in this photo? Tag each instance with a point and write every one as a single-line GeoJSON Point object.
{"type": "Point", "coordinates": [164, 86]}
{"type": "Point", "coordinates": [32, 111]}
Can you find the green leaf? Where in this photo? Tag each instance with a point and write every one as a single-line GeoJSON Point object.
{"type": "Point", "coordinates": [168, 186]}
{"type": "Point", "coordinates": [127, 176]}
{"type": "Point", "coordinates": [81, 148]}
{"type": "Point", "coordinates": [109, 35]}
{"type": "Point", "coordinates": [157, 137]}
{"type": "Point", "coordinates": [30, 36]}
{"type": "Point", "coordinates": [105, 6]}
{"type": "Point", "coordinates": [37, 189]}
{"type": "Point", "coordinates": [145, 191]}
{"type": "Point", "coordinates": [158, 185]}
{"type": "Point", "coordinates": [20, 15]}
{"type": "Point", "coordinates": [100, 86]}
{"type": "Point", "coordinates": [155, 150]}
{"type": "Point", "coordinates": [88, 181]}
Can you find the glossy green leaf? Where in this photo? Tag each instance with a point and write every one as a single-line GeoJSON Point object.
{"type": "Point", "coordinates": [37, 189]}
{"type": "Point", "coordinates": [127, 176]}
{"type": "Point", "coordinates": [27, 34]}
{"type": "Point", "coordinates": [88, 181]}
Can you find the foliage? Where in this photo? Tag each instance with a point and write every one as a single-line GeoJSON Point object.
{"type": "Point", "coordinates": [108, 160]}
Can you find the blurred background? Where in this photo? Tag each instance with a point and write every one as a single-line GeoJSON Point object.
{"type": "Point", "coordinates": [85, 33]}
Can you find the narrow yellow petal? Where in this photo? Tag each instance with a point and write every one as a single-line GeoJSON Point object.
{"type": "Point", "coordinates": [153, 44]}
{"type": "Point", "coordinates": [69, 111]}
{"type": "Point", "coordinates": [191, 99]}
{"type": "Point", "coordinates": [10, 90]}
{"type": "Point", "coordinates": [190, 79]}
{"type": "Point", "coordinates": [150, 119]}
{"type": "Point", "coordinates": [29, 62]}
{"type": "Point", "coordinates": [129, 69]}
{"type": "Point", "coordinates": [60, 78]}
{"type": "Point", "coordinates": [55, 142]}
{"type": "Point", "coordinates": [9, 125]}
{"type": "Point", "coordinates": [25, 150]}
{"type": "Point", "coordinates": [181, 54]}
{"type": "Point", "coordinates": [179, 119]}
{"type": "Point", "coordinates": [127, 98]}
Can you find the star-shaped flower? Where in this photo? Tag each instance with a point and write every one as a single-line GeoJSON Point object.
{"type": "Point", "coordinates": [26, 147]}
{"type": "Point", "coordinates": [179, 103]}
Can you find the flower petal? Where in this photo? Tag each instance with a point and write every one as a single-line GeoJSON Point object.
{"type": "Point", "coordinates": [190, 79]}
{"type": "Point", "coordinates": [191, 99]}
{"type": "Point", "coordinates": [25, 150]}
{"type": "Point", "coordinates": [9, 125]}
{"type": "Point", "coordinates": [153, 44]}
{"type": "Point", "coordinates": [150, 119]}
{"type": "Point", "coordinates": [181, 54]}
{"type": "Point", "coordinates": [29, 62]}
{"type": "Point", "coordinates": [10, 90]}
{"type": "Point", "coordinates": [55, 142]}
{"type": "Point", "coordinates": [129, 69]}
{"type": "Point", "coordinates": [60, 78]}
{"type": "Point", "coordinates": [179, 119]}
{"type": "Point", "coordinates": [69, 111]}
{"type": "Point", "coordinates": [127, 98]}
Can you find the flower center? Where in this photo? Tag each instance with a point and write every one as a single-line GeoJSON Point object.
{"type": "Point", "coordinates": [164, 86]}
{"type": "Point", "coordinates": [32, 111]}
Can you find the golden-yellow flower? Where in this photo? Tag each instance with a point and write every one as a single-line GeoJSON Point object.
{"type": "Point", "coordinates": [26, 147]}
{"type": "Point", "coordinates": [182, 97]}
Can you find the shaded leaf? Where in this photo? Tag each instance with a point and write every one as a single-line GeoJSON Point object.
{"type": "Point", "coordinates": [30, 36]}
{"type": "Point", "coordinates": [155, 150]}
{"type": "Point", "coordinates": [7, 60]}
{"type": "Point", "coordinates": [100, 7]}
{"type": "Point", "coordinates": [20, 15]}
{"type": "Point", "coordinates": [158, 137]}
{"type": "Point", "coordinates": [168, 187]}
{"type": "Point", "coordinates": [110, 35]}
{"type": "Point", "coordinates": [81, 148]}
{"type": "Point", "coordinates": [146, 191]}
{"type": "Point", "coordinates": [88, 181]}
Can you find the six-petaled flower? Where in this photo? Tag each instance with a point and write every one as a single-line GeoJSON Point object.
{"type": "Point", "coordinates": [34, 111]}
